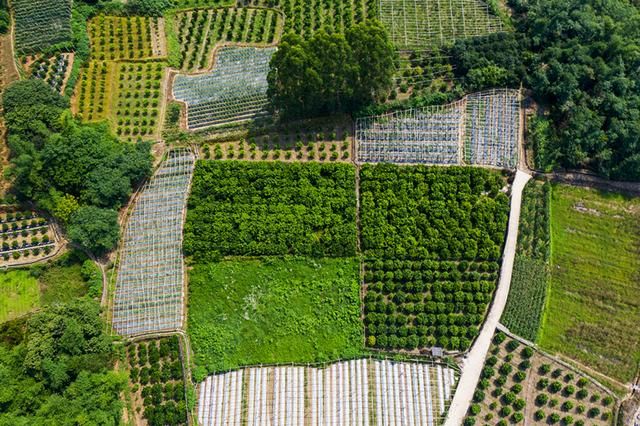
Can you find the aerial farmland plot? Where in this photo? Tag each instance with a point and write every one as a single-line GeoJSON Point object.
{"type": "Point", "coordinates": [421, 23]}
{"type": "Point", "coordinates": [41, 24]}
{"type": "Point", "coordinates": [234, 91]}
{"type": "Point", "coordinates": [200, 31]}
{"type": "Point", "coordinates": [481, 129]}
{"type": "Point", "coordinates": [359, 392]}
{"type": "Point", "coordinates": [128, 38]}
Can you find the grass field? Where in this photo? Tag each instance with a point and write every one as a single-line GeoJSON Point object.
{"type": "Point", "coordinates": [62, 284]}
{"type": "Point", "coordinates": [594, 297]}
{"type": "Point", "coordinates": [19, 294]}
{"type": "Point", "coordinates": [273, 311]}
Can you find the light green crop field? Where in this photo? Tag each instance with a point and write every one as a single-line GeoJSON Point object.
{"type": "Point", "coordinates": [593, 306]}
{"type": "Point", "coordinates": [273, 311]}
{"type": "Point", "coordinates": [19, 294]}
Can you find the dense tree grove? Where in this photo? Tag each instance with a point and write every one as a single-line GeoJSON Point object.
{"type": "Point", "coordinates": [331, 72]}
{"type": "Point", "coordinates": [432, 213]}
{"type": "Point", "coordinates": [432, 237]}
{"type": "Point", "coordinates": [254, 209]}
{"type": "Point", "coordinates": [66, 166]}
{"type": "Point", "coordinates": [581, 60]}
{"type": "Point", "coordinates": [56, 368]}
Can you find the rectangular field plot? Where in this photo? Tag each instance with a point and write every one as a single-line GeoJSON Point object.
{"type": "Point", "coordinates": [361, 392]}
{"type": "Point", "coordinates": [129, 38]}
{"type": "Point", "coordinates": [481, 129]}
{"type": "Point", "coordinates": [428, 136]}
{"type": "Point", "coordinates": [305, 17]}
{"type": "Point", "coordinates": [149, 287]}
{"type": "Point", "coordinates": [235, 91]}
{"type": "Point", "coordinates": [200, 30]}
{"type": "Point", "coordinates": [41, 24]}
{"type": "Point", "coordinates": [93, 94]}
{"type": "Point", "coordinates": [493, 128]}
{"type": "Point", "coordinates": [420, 23]}
{"type": "Point", "coordinates": [137, 98]}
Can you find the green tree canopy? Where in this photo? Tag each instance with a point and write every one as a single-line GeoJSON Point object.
{"type": "Point", "coordinates": [330, 73]}
{"type": "Point", "coordinates": [94, 228]}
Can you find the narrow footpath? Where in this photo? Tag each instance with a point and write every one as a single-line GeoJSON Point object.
{"type": "Point", "coordinates": [474, 361]}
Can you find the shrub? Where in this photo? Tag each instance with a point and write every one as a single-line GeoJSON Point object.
{"type": "Point", "coordinates": [553, 403]}
{"type": "Point", "coordinates": [567, 405]}
{"type": "Point", "coordinates": [556, 373]}
{"type": "Point", "coordinates": [478, 396]}
{"type": "Point", "coordinates": [513, 345]}
{"type": "Point", "coordinates": [483, 384]}
{"type": "Point", "coordinates": [567, 420]}
{"type": "Point", "coordinates": [542, 399]}
{"type": "Point", "coordinates": [579, 423]}
{"type": "Point", "coordinates": [593, 412]}
{"type": "Point", "coordinates": [517, 388]}
{"type": "Point", "coordinates": [527, 352]}
{"type": "Point", "coordinates": [554, 418]}
{"type": "Point", "coordinates": [491, 361]}
{"type": "Point", "coordinates": [474, 409]}
{"type": "Point", "coordinates": [517, 417]}
{"type": "Point", "coordinates": [525, 365]}
{"type": "Point", "coordinates": [488, 372]}
{"type": "Point", "coordinates": [582, 394]}
{"type": "Point", "coordinates": [469, 421]}
{"type": "Point", "coordinates": [505, 411]}
{"type": "Point", "coordinates": [488, 416]}
{"type": "Point", "coordinates": [508, 398]}
{"type": "Point", "coordinates": [555, 387]}
{"type": "Point", "coordinates": [505, 369]}
{"type": "Point", "coordinates": [520, 376]}
{"type": "Point", "coordinates": [582, 382]}
{"type": "Point", "coordinates": [543, 383]}
{"type": "Point", "coordinates": [499, 338]}
{"type": "Point", "coordinates": [607, 400]}
{"type": "Point", "coordinates": [539, 415]}
{"type": "Point", "coordinates": [580, 409]}
{"type": "Point", "coordinates": [569, 390]}
{"type": "Point", "coordinates": [519, 404]}
{"type": "Point", "coordinates": [497, 391]}
{"type": "Point", "coordinates": [500, 381]}
{"type": "Point", "coordinates": [502, 422]}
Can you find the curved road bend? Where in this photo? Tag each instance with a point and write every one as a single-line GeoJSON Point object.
{"type": "Point", "coordinates": [473, 362]}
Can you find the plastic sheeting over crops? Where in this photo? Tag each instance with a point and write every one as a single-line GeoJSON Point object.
{"type": "Point", "coordinates": [236, 89]}
{"type": "Point", "coordinates": [360, 392]}
{"type": "Point", "coordinates": [149, 287]}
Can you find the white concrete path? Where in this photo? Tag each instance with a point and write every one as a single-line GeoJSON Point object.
{"type": "Point", "coordinates": [475, 359]}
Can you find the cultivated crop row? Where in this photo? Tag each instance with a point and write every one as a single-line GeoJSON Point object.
{"type": "Point", "coordinates": [481, 129]}
{"type": "Point", "coordinates": [235, 91]}
{"type": "Point", "coordinates": [41, 24]}
{"type": "Point", "coordinates": [25, 236]}
{"type": "Point", "coordinates": [305, 17]}
{"type": "Point", "coordinates": [200, 30]}
{"type": "Point", "coordinates": [129, 38]}
{"type": "Point", "coordinates": [361, 392]}
{"type": "Point", "coordinates": [432, 238]}
{"type": "Point", "coordinates": [523, 312]}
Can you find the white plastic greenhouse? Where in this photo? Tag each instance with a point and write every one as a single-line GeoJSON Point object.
{"type": "Point", "coordinates": [360, 392]}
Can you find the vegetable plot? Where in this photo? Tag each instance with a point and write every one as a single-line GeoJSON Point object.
{"type": "Point", "coordinates": [41, 24]}
{"type": "Point", "coordinates": [235, 91]}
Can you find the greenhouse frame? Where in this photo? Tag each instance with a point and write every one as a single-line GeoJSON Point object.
{"type": "Point", "coordinates": [149, 295]}
{"type": "Point", "coordinates": [234, 91]}
{"type": "Point", "coordinates": [481, 129]}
